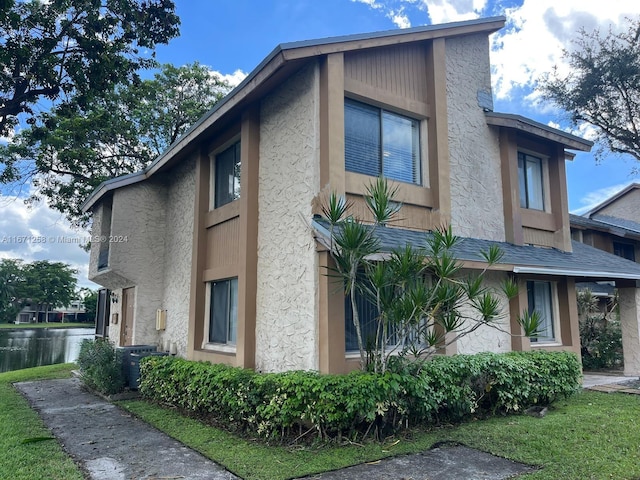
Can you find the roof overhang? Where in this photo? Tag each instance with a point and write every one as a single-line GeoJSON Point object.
{"type": "Point", "coordinates": [526, 125]}
{"type": "Point", "coordinates": [286, 58]}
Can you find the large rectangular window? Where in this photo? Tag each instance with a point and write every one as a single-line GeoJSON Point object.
{"type": "Point", "coordinates": [540, 298]}
{"type": "Point", "coordinates": [226, 175]}
{"type": "Point", "coordinates": [223, 311]}
{"type": "Point", "coordinates": [531, 181]}
{"type": "Point", "coordinates": [378, 142]}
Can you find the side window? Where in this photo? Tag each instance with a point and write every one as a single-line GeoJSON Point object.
{"type": "Point", "coordinates": [540, 296]}
{"type": "Point", "coordinates": [226, 176]}
{"type": "Point", "coordinates": [223, 311]}
{"type": "Point", "coordinates": [624, 250]}
{"type": "Point", "coordinates": [530, 181]}
{"type": "Point", "coordinates": [379, 142]}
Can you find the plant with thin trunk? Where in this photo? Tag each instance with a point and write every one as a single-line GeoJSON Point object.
{"type": "Point", "coordinates": [422, 299]}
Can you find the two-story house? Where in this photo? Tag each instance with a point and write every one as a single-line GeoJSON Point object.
{"type": "Point", "coordinates": [218, 234]}
{"type": "Point", "coordinates": [613, 225]}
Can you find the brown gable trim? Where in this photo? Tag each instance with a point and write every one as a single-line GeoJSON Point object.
{"type": "Point", "coordinates": [292, 53]}
{"type": "Point", "coordinates": [520, 123]}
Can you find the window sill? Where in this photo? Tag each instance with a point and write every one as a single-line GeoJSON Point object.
{"type": "Point", "coordinates": [545, 344]}
{"type": "Point", "coordinates": [408, 193]}
{"type": "Point", "coordinates": [219, 348]}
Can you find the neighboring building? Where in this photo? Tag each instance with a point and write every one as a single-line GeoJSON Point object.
{"type": "Point", "coordinates": [613, 225]}
{"type": "Point", "coordinates": [214, 248]}
{"type": "Point", "coordinates": [74, 312]}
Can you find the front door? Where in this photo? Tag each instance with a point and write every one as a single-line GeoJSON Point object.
{"type": "Point", "coordinates": [126, 329]}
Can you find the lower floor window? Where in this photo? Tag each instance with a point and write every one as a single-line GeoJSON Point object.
{"type": "Point", "coordinates": [223, 311]}
{"type": "Point", "coordinates": [540, 298]}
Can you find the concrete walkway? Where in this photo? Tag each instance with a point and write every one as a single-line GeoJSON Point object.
{"type": "Point", "coordinates": [110, 444]}
{"type": "Point", "coordinates": [594, 379]}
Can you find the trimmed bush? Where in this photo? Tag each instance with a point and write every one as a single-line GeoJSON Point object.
{"type": "Point", "coordinates": [277, 405]}
{"type": "Point", "coordinates": [101, 366]}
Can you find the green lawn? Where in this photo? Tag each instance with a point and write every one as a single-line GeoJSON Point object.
{"type": "Point", "coordinates": [13, 326]}
{"type": "Point", "coordinates": [26, 450]}
{"type": "Point", "coordinates": [590, 436]}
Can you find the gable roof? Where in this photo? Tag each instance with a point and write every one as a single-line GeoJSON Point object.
{"type": "Point", "coordinates": [282, 61]}
{"type": "Point", "coordinates": [584, 262]}
{"type": "Point", "coordinates": [526, 125]}
{"type": "Point", "coordinates": [612, 199]}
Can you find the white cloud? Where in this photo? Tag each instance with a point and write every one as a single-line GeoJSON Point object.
{"type": "Point", "coordinates": [444, 11]}
{"type": "Point", "coordinates": [232, 78]}
{"type": "Point", "coordinates": [595, 198]}
{"type": "Point", "coordinates": [40, 233]}
{"type": "Point", "coordinates": [400, 19]}
{"type": "Point", "coordinates": [538, 31]}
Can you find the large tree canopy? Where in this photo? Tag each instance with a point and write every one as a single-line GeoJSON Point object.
{"type": "Point", "coordinates": [602, 87]}
{"type": "Point", "coordinates": [42, 283]}
{"type": "Point", "coordinates": [56, 48]}
{"type": "Point", "coordinates": [74, 148]}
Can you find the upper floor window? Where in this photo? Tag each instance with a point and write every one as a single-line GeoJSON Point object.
{"type": "Point", "coordinates": [624, 250]}
{"type": "Point", "coordinates": [540, 296]}
{"type": "Point", "coordinates": [531, 181]}
{"type": "Point", "coordinates": [226, 175]}
{"type": "Point", "coordinates": [223, 311]}
{"type": "Point", "coordinates": [378, 142]}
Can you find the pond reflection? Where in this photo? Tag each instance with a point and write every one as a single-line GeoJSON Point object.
{"type": "Point", "coordinates": [26, 348]}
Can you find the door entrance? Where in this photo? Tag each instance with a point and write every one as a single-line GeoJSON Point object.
{"type": "Point", "coordinates": [126, 329]}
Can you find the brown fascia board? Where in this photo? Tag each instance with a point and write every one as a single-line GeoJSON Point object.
{"type": "Point", "coordinates": [293, 53]}
{"type": "Point", "coordinates": [598, 226]}
{"type": "Point", "coordinates": [612, 199]}
{"type": "Point", "coordinates": [526, 125]}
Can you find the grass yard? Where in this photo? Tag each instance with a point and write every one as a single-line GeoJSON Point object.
{"type": "Point", "coordinates": [590, 436]}
{"type": "Point", "coordinates": [27, 451]}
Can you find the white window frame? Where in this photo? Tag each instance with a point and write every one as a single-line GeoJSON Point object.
{"type": "Point", "coordinates": [212, 177]}
{"type": "Point", "coordinates": [229, 346]}
{"type": "Point", "coordinates": [417, 153]}
{"type": "Point", "coordinates": [555, 339]}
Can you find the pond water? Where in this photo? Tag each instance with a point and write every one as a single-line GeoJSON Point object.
{"type": "Point", "coordinates": [26, 348]}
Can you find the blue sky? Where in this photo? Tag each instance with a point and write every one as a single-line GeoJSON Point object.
{"type": "Point", "coordinates": [233, 36]}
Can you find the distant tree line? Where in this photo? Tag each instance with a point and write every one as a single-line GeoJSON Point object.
{"type": "Point", "coordinates": [43, 284]}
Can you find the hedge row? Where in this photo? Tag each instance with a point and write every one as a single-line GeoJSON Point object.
{"type": "Point", "coordinates": [277, 404]}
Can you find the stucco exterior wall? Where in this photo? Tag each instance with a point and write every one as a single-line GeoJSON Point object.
{"type": "Point", "coordinates": [286, 304]}
{"type": "Point", "coordinates": [629, 303]}
{"type": "Point", "coordinates": [476, 184]}
{"type": "Point", "coordinates": [136, 255]}
{"type": "Point", "coordinates": [627, 207]}
{"type": "Point", "coordinates": [486, 338]}
{"type": "Point", "coordinates": [177, 254]}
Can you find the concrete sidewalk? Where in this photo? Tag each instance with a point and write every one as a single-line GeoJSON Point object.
{"type": "Point", "coordinates": [110, 444]}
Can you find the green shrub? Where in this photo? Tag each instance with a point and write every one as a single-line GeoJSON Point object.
{"type": "Point", "coordinates": [277, 405]}
{"type": "Point", "coordinates": [101, 366]}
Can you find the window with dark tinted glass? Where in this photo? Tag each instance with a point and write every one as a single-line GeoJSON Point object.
{"type": "Point", "coordinates": [223, 311]}
{"type": "Point", "coordinates": [227, 175]}
{"type": "Point", "coordinates": [379, 142]}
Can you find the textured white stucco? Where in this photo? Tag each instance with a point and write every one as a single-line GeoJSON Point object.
{"type": "Point", "coordinates": [286, 304]}
{"type": "Point", "coordinates": [476, 183]}
{"type": "Point", "coordinates": [136, 254]}
{"type": "Point", "coordinates": [629, 300]}
{"type": "Point", "coordinates": [486, 338]}
{"type": "Point", "coordinates": [177, 254]}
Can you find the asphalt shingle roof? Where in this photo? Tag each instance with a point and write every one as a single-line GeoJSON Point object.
{"type": "Point", "coordinates": [618, 222]}
{"type": "Point", "coordinates": [584, 261]}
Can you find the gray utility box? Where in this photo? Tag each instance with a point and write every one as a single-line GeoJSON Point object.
{"type": "Point", "coordinates": [134, 367]}
{"type": "Point", "coordinates": [125, 357]}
